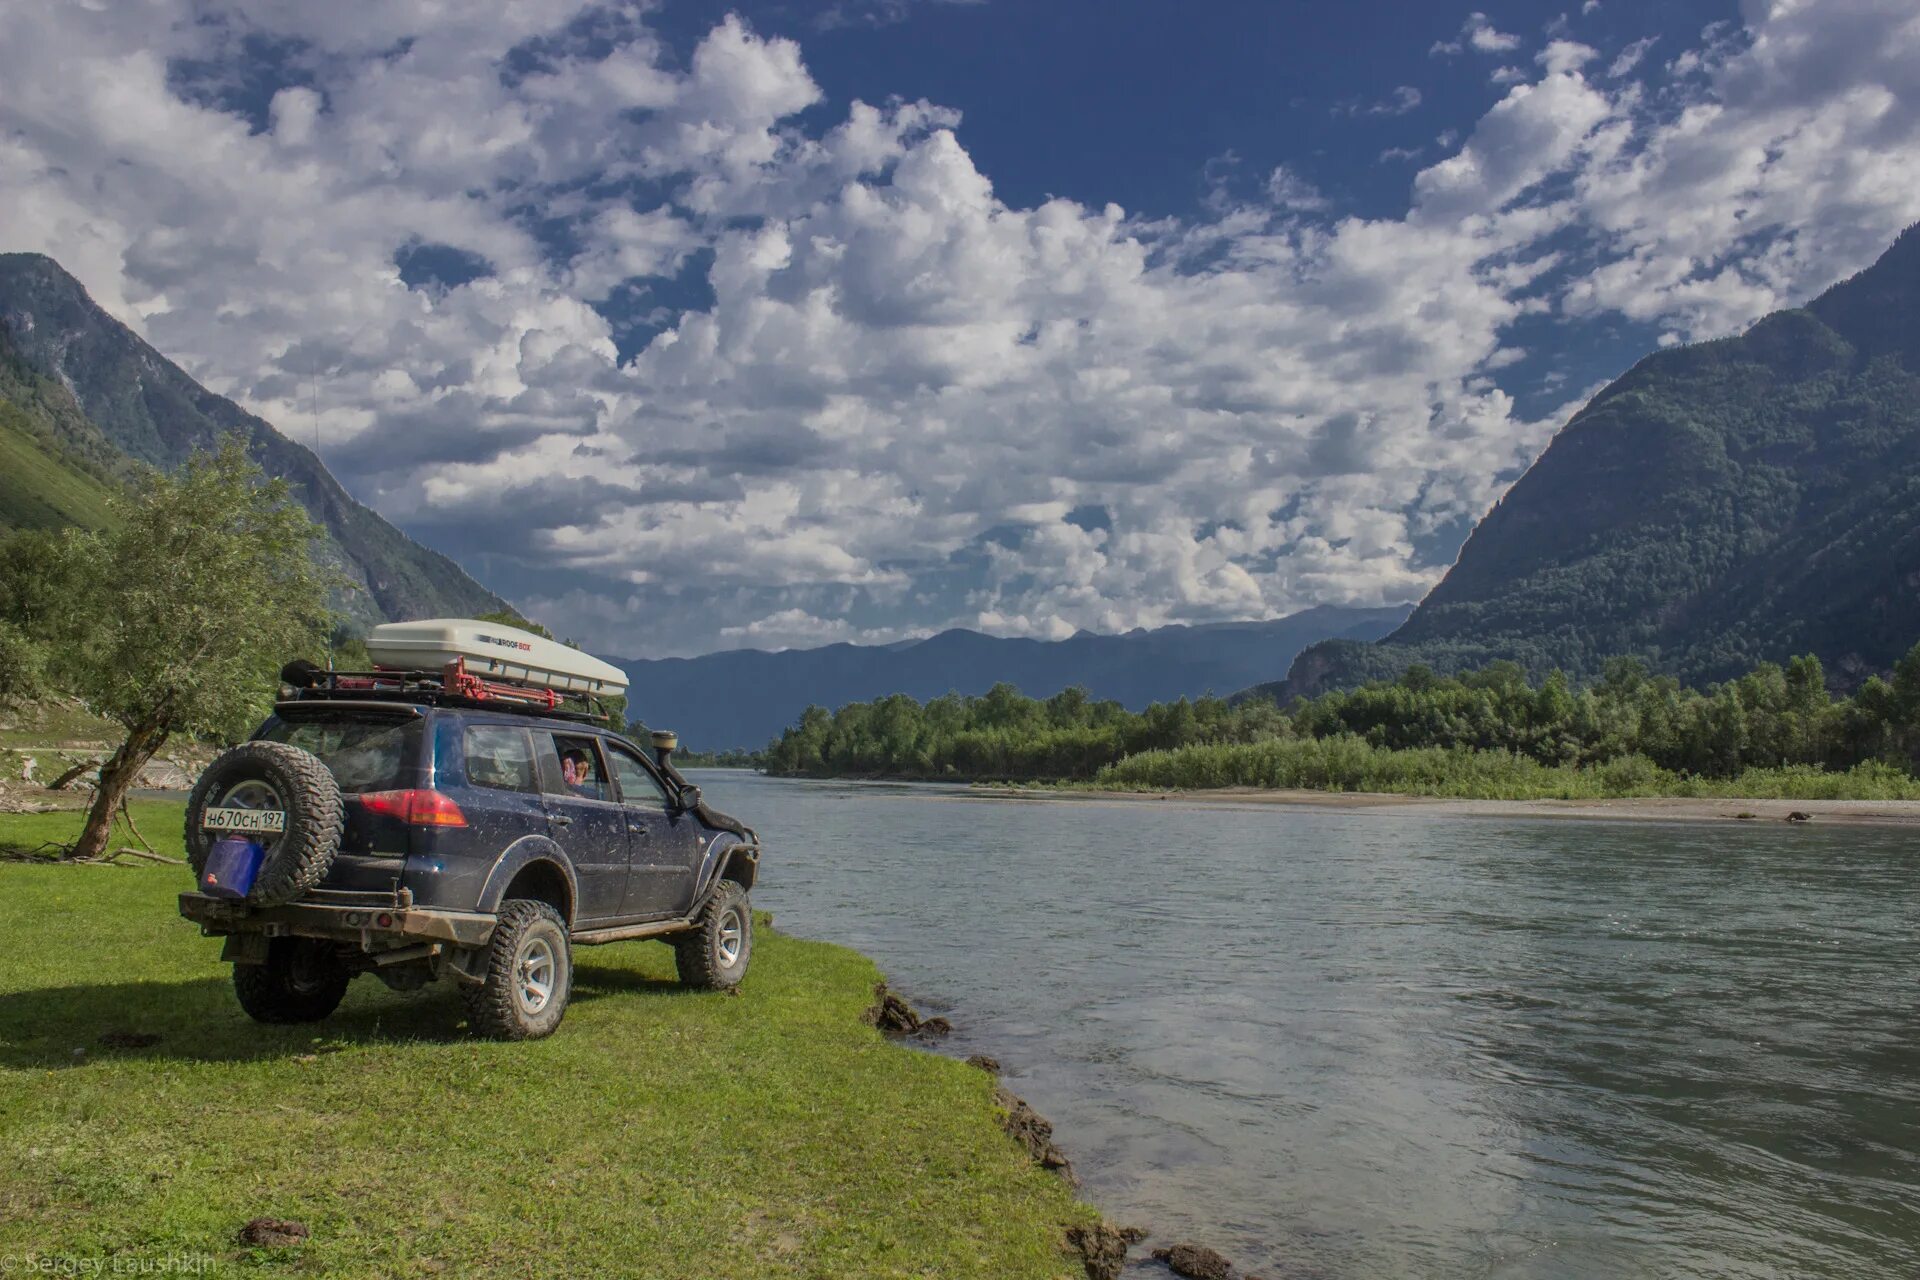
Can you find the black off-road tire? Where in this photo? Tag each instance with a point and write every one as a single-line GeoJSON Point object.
{"type": "Point", "coordinates": [724, 926]}
{"type": "Point", "coordinates": [500, 1007]}
{"type": "Point", "coordinates": [303, 980]}
{"type": "Point", "coordinates": [299, 858]}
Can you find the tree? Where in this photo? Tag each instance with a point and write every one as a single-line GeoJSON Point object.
{"type": "Point", "coordinates": [36, 600]}
{"type": "Point", "coordinates": [22, 663]}
{"type": "Point", "coordinates": [508, 618]}
{"type": "Point", "coordinates": [36, 583]}
{"type": "Point", "coordinates": [192, 605]}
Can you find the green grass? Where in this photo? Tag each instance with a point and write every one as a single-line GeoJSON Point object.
{"type": "Point", "coordinates": [25, 835]}
{"type": "Point", "coordinates": [39, 489]}
{"type": "Point", "coordinates": [660, 1132]}
{"type": "Point", "coordinates": [1351, 764]}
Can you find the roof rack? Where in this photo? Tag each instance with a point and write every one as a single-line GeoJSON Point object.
{"type": "Point", "coordinates": [451, 686]}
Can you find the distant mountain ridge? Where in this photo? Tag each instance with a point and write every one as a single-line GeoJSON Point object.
{"type": "Point", "coordinates": [93, 394]}
{"type": "Point", "coordinates": [743, 698]}
{"type": "Point", "coordinates": [1719, 505]}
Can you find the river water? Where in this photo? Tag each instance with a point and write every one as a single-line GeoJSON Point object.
{"type": "Point", "coordinates": [1381, 1043]}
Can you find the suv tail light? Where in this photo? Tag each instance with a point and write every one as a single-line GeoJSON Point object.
{"type": "Point", "coordinates": [416, 808]}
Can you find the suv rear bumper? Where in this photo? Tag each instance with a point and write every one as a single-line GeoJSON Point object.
{"type": "Point", "coordinates": [376, 921]}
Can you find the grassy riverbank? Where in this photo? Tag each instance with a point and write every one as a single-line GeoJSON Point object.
{"type": "Point", "coordinates": [1347, 764]}
{"type": "Point", "coordinates": [659, 1133]}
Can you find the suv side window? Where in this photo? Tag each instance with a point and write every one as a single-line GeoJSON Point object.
{"type": "Point", "coordinates": [501, 757]}
{"type": "Point", "coordinates": [639, 789]}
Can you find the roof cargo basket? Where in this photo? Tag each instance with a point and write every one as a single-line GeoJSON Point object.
{"type": "Point", "coordinates": [465, 662]}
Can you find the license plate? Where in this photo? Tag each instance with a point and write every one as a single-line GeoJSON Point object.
{"type": "Point", "coordinates": [267, 821]}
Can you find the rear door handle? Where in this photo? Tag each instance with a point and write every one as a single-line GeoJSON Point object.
{"type": "Point", "coordinates": [562, 819]}
{"type": "Point", "coordinates": [636, 830]}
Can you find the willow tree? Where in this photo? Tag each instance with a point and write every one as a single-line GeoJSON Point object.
{"type": "Point", "coordinates": [192, 603]}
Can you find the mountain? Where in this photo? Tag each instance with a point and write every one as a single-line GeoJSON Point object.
{"type": "Point", "coordinates": [743, 698]}
{"type": "Point", "coordinates": [89, 396]}
{"type": "Point", "coordinates": [1723, 504]}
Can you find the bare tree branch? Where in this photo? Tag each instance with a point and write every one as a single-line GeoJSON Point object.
{"type": "Point", "coordinates": [64, 780]}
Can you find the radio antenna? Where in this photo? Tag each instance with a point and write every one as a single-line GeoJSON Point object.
{"type": "Point", "coordinates": [313, 414]}
{"type": "Point", "coordinates": [313, 399]}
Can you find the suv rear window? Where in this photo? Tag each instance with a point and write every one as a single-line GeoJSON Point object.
{"type": "Point", "coordinates": [363, 755]}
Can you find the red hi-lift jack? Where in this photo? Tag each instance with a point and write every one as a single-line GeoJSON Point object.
{"type": "Point", "coordinates": [456, 681]}
{"type": "Point", "coordinates": [462, 683]}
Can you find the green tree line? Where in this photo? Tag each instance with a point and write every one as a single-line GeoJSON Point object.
{"type": "Point", "coordinates": [1649, 732]}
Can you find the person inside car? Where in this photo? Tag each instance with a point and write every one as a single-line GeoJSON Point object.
{"type": "Point", "coordinates": [577, 768]}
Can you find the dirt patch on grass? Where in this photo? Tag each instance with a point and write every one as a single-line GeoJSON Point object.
{"type": "Point", "coordinates": [274, 1233]}
{"type": "Point", "coordinates": [123, 1039]}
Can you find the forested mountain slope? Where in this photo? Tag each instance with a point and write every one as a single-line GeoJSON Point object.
{"type": "Point", "coordinates": [55, 468]}
{"type": "Point", "coordinates": [744, 697]}
{"type": "Point", "coordinates": [100, 396]}
{"type": "Point", "coordinates": [1719, 505]}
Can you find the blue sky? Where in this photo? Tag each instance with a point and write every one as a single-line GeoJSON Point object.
{"type": "Point", "coordinates": [1164, 107]}
{"type": "Point", "coordinates": [690, 326]}
{"type": "Point", "coordinates": [1130, 102]}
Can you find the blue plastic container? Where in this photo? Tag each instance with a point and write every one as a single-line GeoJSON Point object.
{"type": "Point", "coordinates": [231, 866]}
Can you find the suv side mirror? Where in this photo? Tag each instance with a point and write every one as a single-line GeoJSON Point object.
{"type": "Point", "coordinates": [689, 797]}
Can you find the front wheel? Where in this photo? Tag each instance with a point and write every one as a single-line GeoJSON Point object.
{"type": "Point", "coordinates": [529, 975]}
{"type": "Point", "coordinates": [713, 954]}
{"type": "Point", "coordinates": [303, 980]}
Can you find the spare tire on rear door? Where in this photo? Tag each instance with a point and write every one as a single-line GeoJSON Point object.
{"type": "Point", "coordinates": [269, 779]}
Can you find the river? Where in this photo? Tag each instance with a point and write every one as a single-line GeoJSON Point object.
{"type": "Point", "coordinates": [1382, 1043]}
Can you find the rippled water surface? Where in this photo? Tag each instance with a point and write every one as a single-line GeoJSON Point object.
{"type": "Point", "coordinates": [1383, 1043]}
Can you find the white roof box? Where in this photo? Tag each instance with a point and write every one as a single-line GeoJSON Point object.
{"type": "Point", "coordinates": [492, 652]}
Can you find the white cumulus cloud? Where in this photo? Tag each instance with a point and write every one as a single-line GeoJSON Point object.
{"type": "Point", "coordinates": [1478, 34]}
{"type": "Point", "coordinates": [727, 363]}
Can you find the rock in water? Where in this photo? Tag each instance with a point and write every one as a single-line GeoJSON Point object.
{"type": "Point", "coordinates": [892, 1015]}
{"type": "Point", "coordinates": [1103, 1248]}
{"type": "Point", "coordinates": [1196, 1261]}
{"type": "Point", "coordinates": [990, 1065]}
{"type": "Point", "coordinates": [895, 1017]}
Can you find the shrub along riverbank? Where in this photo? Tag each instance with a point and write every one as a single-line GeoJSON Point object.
{"type": "Point", "coordinates": [1490, 734]}
{"type": "Point", "coordinates": [1352, 764]}
{"type": "Point", "coordinates": [660, 1132]}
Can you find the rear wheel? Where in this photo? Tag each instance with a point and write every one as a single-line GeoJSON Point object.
{"type": "Point", "coordinates": [529, 974]}
{"type": "Point", "coordinates": [713, 955]}
{"type": "Point", "coordinates": [303, 980]}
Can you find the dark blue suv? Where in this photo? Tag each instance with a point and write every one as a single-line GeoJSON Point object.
{"type": "Point", "coordinates": [422, 838]}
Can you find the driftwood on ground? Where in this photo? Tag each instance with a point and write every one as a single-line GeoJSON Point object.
{"type": "Point", "coordinates": [55, 852]}
{"type": "Point", "coordinates": [128, 851]}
